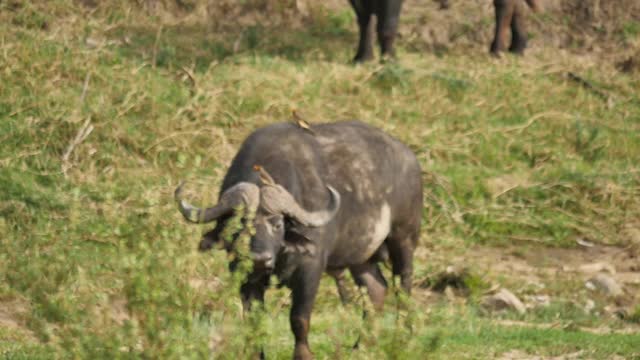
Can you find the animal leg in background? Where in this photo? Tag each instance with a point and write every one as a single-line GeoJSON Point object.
{"type": "Point", "coordinates": [388, 15]}
{"type": "Point", "coordinates": [504, 13]}
{"type": "Point", "coordinates": [510, 15]}
{"type": "Point", "coordinates": [518, 30]}
{"type": "Point", "coordinates": [364, 12]}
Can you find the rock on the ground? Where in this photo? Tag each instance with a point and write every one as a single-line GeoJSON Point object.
{"type": "Point", "coordinates": [597, 267]}
{"type": "Point", "coordinates": [605, 284]}
{"type": "Point", "coordinates": [503, 299]}
{"type": "Point", "coordinates": [589, 306]}
{"type": "Point", "coordinates": [533, 301]}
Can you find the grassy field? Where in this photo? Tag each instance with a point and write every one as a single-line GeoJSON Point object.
{"type": "Point", "coordinates": [103, 110]}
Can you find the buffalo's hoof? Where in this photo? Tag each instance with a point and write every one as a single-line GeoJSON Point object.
{"type": "Point", "coordinates": [358, 59]}
{"type": "Point", "coordinates": [302, 352]}
{"type": "Point", "coordinates": [388, 58]}
{"type": "Point", "coordinates": [496, 54]}
{"type": "Point", "coordinates": [517, 50]}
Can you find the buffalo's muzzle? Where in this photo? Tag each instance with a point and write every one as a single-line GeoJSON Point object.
{"type": "Point", "coordinates": [263, 260]}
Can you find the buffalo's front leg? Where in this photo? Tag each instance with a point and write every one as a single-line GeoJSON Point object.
{"type": "Point", "coordinates": [364, 12]}
{"type": "Point", "coordinates": [304, 286]}
{"type": "Point", "coordinates": [388, 13]}
{"type": "Point", "coordinates": [253, 289]}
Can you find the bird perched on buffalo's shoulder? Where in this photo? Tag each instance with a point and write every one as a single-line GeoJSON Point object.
{"type": "Point", "coordinates": [300, 122]}
{"type": "Point", "coordinates": [264, 175]}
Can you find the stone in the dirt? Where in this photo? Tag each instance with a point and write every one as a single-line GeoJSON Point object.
{"type": "Point", "coordinates": [585, 243]}
{"type": "Point", "coordinates": [503, 299]}
{"type": "Point", "coordinates": [533, 301]}
{"type": "Point", "coordinates": [605, 284]}
{"type": "Point", "coordinates": [597, 267]}
{"type": "Point", "coordinates": [451, 296]}
{"type": "Point", "coordinates": [589, 305]}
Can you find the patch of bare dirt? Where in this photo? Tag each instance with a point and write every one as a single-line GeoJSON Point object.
{"type": "Point", "coordinates": [540, 267]}
{"type": "Point", "coordinates": [622, 263]}
{"type": "Point", "coordinates": [12, 317]}
{"type": "Point", "coordinates": [114, 310]}
{"type": "Point", "coordinates": [539, 275]}
{"type": "Point", "coordinates": [119, 311]}
{"type": "Point", "coordinates": [602, 330]}
{"type": "Point", "coordinates": [521, 355]}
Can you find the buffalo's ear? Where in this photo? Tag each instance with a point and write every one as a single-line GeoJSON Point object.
{"type": "Point", "coordinates": [213, 239]}
{"type": "Point", "coordinates": [296, 241]}
{"type": "Point", "coordinates": [210, 239]}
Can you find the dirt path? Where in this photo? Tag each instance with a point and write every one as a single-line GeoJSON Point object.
{"type": "Point", "coordinates": [541, 275]}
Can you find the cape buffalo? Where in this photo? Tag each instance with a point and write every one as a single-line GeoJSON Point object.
{"type": "Point", "coordinates": [326, 198]}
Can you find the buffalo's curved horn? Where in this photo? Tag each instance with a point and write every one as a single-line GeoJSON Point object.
{"type": "Point", "coordinates": [243, 193]}
{"type": "Point", "coordinates": [277, 199]}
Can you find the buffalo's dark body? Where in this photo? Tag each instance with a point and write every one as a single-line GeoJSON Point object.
{"type": "Point", "coordinates": [379, 182]}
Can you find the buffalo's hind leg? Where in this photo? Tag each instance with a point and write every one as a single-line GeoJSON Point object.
{"type": "Point", "coordinates": [369, 275]}
{"type": "Point", "coordinates": [401, 245]}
